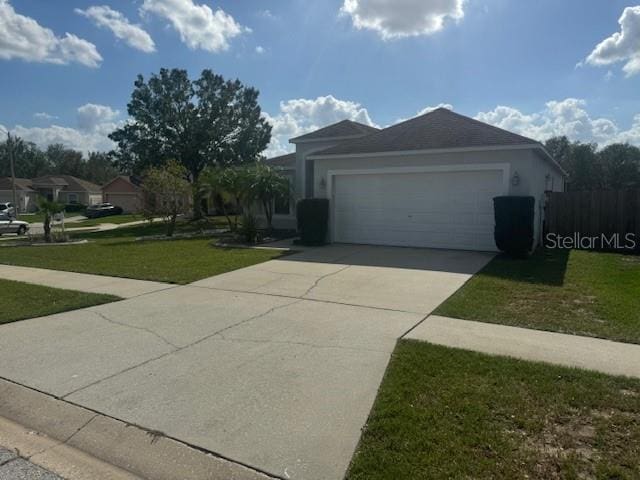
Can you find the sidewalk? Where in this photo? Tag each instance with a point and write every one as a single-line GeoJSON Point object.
{"type": "Point", "coordinates": [604, 356]}
{"type": "Point", "coordinates": [82, 282]}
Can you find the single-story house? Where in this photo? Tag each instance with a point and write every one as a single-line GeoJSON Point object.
{"type": "Point", "coordinates": [67, 189]}
{"type": "Point", "coordinates": [425, 182]}
{"type": "Point", "coordinates": [126, 192]}
{"type": "Point", "coordinates": [26, 197]}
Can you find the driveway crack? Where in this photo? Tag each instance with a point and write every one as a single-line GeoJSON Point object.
{"type": "Point", "coordinates": [179, 349]}
{"type": "Point", "coordinates": [304, 344]}
{"type": "Point", "coordinates": [319, 279]}
{"type": "Point", "coordinates": [135, 327]}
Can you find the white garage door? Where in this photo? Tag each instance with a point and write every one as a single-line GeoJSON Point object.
{"type": "Point", "coordinates": [437, 209]}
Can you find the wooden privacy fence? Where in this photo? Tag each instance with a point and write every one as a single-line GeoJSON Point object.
{"type": "Point", "coordinates": [592, 214]}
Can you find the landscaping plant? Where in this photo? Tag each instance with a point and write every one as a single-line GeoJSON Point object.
{"type": "Point", "coordinates": [49, 208]}
{"type": "Point", "coordinates": [167, 193]}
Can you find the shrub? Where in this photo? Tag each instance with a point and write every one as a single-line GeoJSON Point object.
{"type": "Point", "coordinates": [514, 224]}
{"type": "Point", "coordinates": [249, 228]}
{"type": "Point", "coordinates": [313, 220]}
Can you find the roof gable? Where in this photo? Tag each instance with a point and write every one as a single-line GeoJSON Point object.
{"type": "Point", "coordinates": [67, 183]}
{"type": "Point", "coordinates": [123, 183]}
{"type": "Point", "coordinates": [21, 184]}
{"type": "Point", "coordinates": [438, 129]}
{"type": "Point", "coordinates": [345, 128]}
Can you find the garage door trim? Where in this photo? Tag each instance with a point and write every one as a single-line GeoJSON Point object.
{"type": "Point", "coordinates": [505, 168]}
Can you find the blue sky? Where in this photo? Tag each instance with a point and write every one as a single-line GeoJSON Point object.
{"type": "Point", "coordinates": [537, 68]}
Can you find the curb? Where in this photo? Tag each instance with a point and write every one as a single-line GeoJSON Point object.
{"type": "Point", "coordinates": [141, 452]}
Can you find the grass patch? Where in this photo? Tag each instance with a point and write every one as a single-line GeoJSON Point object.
{"type": "Point", "coordinates": [117, 253]}
{"type": "Point", "coordinates": [443, 413]}
{"type": "Point", "coordinates": [115, 219]}
{"type": "Point", "coordinates": [577, 292]}
{"type": "Point", "coordinates": [24, 300]}
{"type": "Point", "coordinates": [32, 217]}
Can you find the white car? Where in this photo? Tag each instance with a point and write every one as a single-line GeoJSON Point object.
{"type": "Point", "coordinates": [10, 225]}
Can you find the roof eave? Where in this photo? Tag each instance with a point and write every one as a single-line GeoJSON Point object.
{"type": "Point", "coordinates": [301, 139]}
{"type": "Point", "coordinates": [522, 146]}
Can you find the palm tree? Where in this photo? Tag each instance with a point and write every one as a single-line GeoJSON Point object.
{"type": "Point", "coordinates": [266, 186]}
{"type": "Point", "coordinates": [49, 208]}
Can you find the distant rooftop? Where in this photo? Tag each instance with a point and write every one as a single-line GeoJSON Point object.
{"type": "Point", "coordinates": [284, 161]}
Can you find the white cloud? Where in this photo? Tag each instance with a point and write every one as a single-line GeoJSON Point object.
{"type": "Point", "coordinates": [24, 38]}
{"type": "Point", "coordinates": [44, 116]}
{"type": "Point", "coordinates": [95, 123]}
{"type": "Point", "coordinates": [198, 25]}
{"type": "Point", "coordinates": [69, 137]}
{"type": "Point", "coordinates": [402, 18]}
{"type": "Point", "coordinates": [92, 117]}
{"type": "Point", "coordinates": [622, 46]}
{"type": "Point", "coordinates": [566, 117]}
{"type": "Point", "coordinates": [300, 116]}
{"type": "Point", "coordinates": [260, 50]}
{"type": "Point", "coordinates": [132, 34]}
{"type": "Point", "coordinates": [427, 109]}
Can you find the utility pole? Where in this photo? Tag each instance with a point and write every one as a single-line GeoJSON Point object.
{"type": "Point", "coordinates": [13, 172]}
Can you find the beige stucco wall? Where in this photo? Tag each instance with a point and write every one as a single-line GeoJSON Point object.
{"type": "Point", "coordinates": [303, 186]}
{"type": "Point", "coordinates": [531, 168]}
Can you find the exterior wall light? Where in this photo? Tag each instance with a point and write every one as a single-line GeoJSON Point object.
{"type": "Point", "coordinates": [515, 180]}
{"type": "Point", "coordinates": [323, 183]}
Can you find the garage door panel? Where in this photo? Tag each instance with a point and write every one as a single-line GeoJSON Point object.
{"type": "Point", "coordinates": [438, 210]}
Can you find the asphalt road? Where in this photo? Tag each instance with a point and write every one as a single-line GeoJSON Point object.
{"type": "Point", "coordinates": [13, 467]}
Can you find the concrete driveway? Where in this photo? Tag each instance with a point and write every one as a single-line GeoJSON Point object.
{"type": "Point", "coordinates": [275, 366]}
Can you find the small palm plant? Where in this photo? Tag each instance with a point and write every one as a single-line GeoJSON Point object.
{"type": "Point", "coordinates": [49, 208]}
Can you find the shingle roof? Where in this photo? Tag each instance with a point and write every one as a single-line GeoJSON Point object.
{"type": "Point", "coordinates": [21, 184]}
{"type": "Point", "coordinates": [438, 129]}
{"type": "Point", "coordinates": [68, 182]}
{"type": "Point", "coordinates": [287, 161]}
{"type": "Point", "coordinates": [134, 180]}
{"type": "Point", "coordinates": [345, 128]}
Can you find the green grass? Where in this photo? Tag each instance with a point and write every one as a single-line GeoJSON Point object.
{"type": "Point", "coordinates": [32, 218]}
{"type": "Point", "coordinates": [577, 292]}
{"type": "Point", "coordinates": [446, 414]}
{"type": "Point", "coordinates": [117, 253]}
{"type": "Point", "coordinates": [23, 300]}
{"type": "Point", "coordinates": [115, 219]}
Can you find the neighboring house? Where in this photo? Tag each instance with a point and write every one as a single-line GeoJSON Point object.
{"type": "Point", "coordinates": [61, 188]}
{"type": "Point", "coordinates": [425, 182]}
{"type": "Point", "coordinates": [67, 189]}
{"type": "Point", "coordinates": [125, 192]}
{"type": "Point", "coordinates": [26, 197]}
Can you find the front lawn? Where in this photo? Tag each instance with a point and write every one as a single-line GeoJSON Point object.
{"type": "Point", "coordinates": [115, 219]}
{"type": "Point", "coordinates": [117, 253]}
{"type": "Point", "coordinates": [578, 292]}
{"type": "Point", "coordinates": [443, 413]}
{"type": "Point", "coordinates": [24, 300]}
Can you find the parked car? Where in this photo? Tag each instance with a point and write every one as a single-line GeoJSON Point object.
{"type": "Point", "coordinates": [102, 210]}
{"type": "Point", "coordinates": [7, 208]}
{"type": "Point", "coordinates": [11, 225]}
